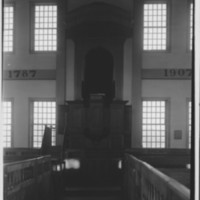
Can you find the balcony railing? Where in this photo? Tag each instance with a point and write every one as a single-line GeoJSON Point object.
{"type": "Point", "coordinates": [27, 179]}
{"type": "Point", "coordinates": [144, 182]}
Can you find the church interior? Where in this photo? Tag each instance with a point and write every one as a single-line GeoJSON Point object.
{"type": "Point", "coordinates": [97, 99]}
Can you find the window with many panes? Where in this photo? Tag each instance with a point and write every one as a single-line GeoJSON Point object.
{"type": "Point", "coordinates": [155, 26]}
{"type": "Point", "coordinates": [189, 122]}
{"type": "Point", "coordinates": [8, 28]}
{"type": "Point", "coordinates": [45, 27]}
{"type": "Point", "coordinates": [154, 124]}
{"type": "Point", "coordinates": [44, 113]}
{"type": "Point", "coordinates": [7, 123]}
{"type": "Point", "coordinates": [191, 25]}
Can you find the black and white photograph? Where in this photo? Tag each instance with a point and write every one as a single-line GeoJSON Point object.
{"type": "Point", "coordinates": [100, 100]}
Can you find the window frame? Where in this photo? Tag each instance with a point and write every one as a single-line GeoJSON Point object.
{"type": "Point", "coordinates": [167, 121]}
{"type": "Point", "coordinates": [168, 31]}
{"type": "Point", "coordinates": [12, 119]}
{"type": "Point", "coordinates": [189, 26]}
{"type": "Point", "coordinates": [32, 27]}
{"type": "Point", "coordinates": [7, 4]}
{"type": "Point", "coordinates": [31, 107]}
{"type": "Point", "coordinates": [188, 137]}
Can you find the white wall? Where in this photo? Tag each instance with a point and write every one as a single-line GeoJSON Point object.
{"type": "Point", "coordinates": [177, 56]}
{"type": "Point", "coordinates": [21, 92]}
{"type": "Point", "coordinates": [178, 93]}
{"type": "Point", "coordinates": [70, 67]}
{"type": "Point", "coordinates": [127, 71]}
{"type": "Point", "coordinates": [23, 57]}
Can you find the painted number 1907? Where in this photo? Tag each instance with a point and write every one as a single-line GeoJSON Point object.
{"type": "Point", "coordinates": [180, 73]}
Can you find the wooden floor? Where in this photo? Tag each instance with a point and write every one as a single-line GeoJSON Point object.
{"type": "Point", "coordinates": [111, 193]}
{"type": "Point", "coordinates": [92, 198]}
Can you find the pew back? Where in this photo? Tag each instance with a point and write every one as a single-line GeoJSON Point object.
{"type": "Point", "coordinates": [16, 154]}
{"type": "Point", "coordinates": [162, 158]}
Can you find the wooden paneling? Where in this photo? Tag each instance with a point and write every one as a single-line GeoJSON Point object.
{"type": "Point", "coordinates": [94, 118]}
{"type": "Point", "coordinates": [117, 118]}
{"type": "Point", "coordinates": [127, 126]}
{"type": "Point", "coordinates": [97, 125]}
{"type": "Point", "coordinates": [77, 141]}
{"type": "Point", "coordinates": [117, 141]}
{"type": "Point", "coordinates": [75, 119]}
{"type": "Point", "coordinates": [95, 141]}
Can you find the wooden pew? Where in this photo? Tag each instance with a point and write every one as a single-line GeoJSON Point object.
{"type": "Point", "coordinates": [29, 173]}
{"type": "Point", "coordinates": [24, 167]}
{"type": "Point", "coordinates": [171, 162]}
{"type": "Point", "coordinates": [16, 154]}
{"type": "Point", "coordinates": [162, 158]}
{"type": "Point", "coordinates": [27, 179]}
{"type": "Point", "coordinates": [142, 181]}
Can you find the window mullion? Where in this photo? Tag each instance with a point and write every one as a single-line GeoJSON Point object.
{"type": "Point", "coordinates": [45, 28]}
{"type": "Point", "coordinates": [8, 28]}
{"type": "Point", "coordinates": [155, 26]}
{"type": "Point", "coordinates": [44, 113]}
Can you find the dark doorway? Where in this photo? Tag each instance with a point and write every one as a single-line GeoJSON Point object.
{"type": "Point", "coordinates": [98, 77]}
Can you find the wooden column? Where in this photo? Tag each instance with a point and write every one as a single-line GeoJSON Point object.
{"type": "Point", "coordinates": [61, 53]}
{"type": "Point", "coordinates": [61, 60]}
{"type": "Point", "coordinates": [136, 73]}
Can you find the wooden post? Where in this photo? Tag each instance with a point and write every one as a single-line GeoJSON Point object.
{"type": "Point", "coordinates": [136, 80]}
{"type": "Point", "coordinates": [61, 59]}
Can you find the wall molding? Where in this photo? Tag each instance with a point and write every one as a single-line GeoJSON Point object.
{"type": "Point", "coordinates": [168, 74]}
{"type": "Point", "coordinates": [31, 74]}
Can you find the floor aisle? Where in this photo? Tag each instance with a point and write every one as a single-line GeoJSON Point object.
{"type": "Point", "coordinates": [92, 198]}
{"type": "Point", "coordinates": [92, 194]}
